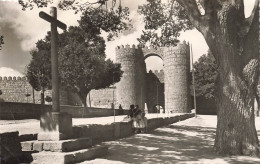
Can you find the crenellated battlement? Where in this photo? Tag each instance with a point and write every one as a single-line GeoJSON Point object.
{"type": "Point", "coordinates": [159, 74]}
{"type": "Point", "coordinates": [128, 47]}
{"type": "Point", "coordinates": [15, 78]}
{"type": "Point", "coordinates": [156, 71]}
{"type": "Point", "coordinates": [180, 44]}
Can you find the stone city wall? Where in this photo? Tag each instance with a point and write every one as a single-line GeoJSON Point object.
{"type": "Point", "coordinates": [133, 87]}
{"type": "Point", "coordinates": [18, 89]}
{"type": "Point", "coordinates": [103, 98]}
{"type": "Point", "coordinates": [15, 111]}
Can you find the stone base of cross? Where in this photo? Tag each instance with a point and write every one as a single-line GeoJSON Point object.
{"type": "Point", "coordinates": [54, 125]}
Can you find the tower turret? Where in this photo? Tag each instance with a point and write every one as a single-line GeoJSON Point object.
{"type": "Point", "coordinates": [176, 71]}
{"type": "Point", "coordinates": [130, 89]}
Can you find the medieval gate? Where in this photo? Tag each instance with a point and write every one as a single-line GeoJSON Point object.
{"type": "Point", "coordinates": [176, 65]}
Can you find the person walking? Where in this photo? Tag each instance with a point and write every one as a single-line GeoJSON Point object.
{"type": "Point", "coordinates": [120, 110]}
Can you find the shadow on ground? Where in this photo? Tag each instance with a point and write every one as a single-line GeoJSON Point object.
{"type": "Point", "coordinates": [171, 144]}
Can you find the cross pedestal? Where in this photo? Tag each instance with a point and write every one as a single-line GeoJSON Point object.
{"type": "Point", "coordinates": [54, 125]}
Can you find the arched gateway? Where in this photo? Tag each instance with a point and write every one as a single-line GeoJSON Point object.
{"type": "Point", "coordinates": [131, 88]}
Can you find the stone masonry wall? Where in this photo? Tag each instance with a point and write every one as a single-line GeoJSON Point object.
{"type": "Point", "coordinates": [103, 98]}
{"type": "Point", "coordinates": [130, 88]}
{"type": "Point", "coordinates": [133, 87]}
{"type": "Point", "coordinates": [15, 89]}
{"type": "Point", "coordinates": [176, 78]}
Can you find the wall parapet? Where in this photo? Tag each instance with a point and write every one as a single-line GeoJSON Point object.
{"type": "Point", "coordinates": [14, 78]}
{"type": "Point", "coordinates": [128, 47]}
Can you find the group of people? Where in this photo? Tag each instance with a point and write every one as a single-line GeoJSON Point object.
{"type": "Point", "coordinates": [139, 119]}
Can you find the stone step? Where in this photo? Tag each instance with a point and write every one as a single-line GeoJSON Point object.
{"type": "Point", "coordinates": [57, 146]}
{"type": "Point", "coordinates": [46, 157]}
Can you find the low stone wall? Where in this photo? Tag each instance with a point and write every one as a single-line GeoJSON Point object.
{"type": "Point", "coordinates": [10, 110]}
{"type": "Point", "coordinates": [86, 112]}
{"type": "Point", "coordinates": [16, 111]}
{"type": "Point", "coordinates": [10, 148]}
{"type": "Point", "coordinates": [101, 133]}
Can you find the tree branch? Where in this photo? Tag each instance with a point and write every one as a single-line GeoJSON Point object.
{"type": "Point", "coordinates": [193, 13]}
{"type": "Point", "coordinates": [171, 12]}
{"type": "Point", "coordinates": [248, 21]}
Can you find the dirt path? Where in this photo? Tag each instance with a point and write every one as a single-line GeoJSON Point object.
{"type": "Point", "coordinates": [189, 141]}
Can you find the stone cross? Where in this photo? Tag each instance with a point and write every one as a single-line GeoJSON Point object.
{"type": "Point", "coordinates": [52, 18]}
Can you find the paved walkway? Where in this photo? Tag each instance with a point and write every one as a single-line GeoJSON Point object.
{"type": "Point", "coordinates": [188, 141]}
{"type": "Point", "coordinates": [32, 126]}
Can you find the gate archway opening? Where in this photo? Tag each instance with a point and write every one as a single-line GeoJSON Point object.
{"type": "Point", "coordinates": [154, 81]}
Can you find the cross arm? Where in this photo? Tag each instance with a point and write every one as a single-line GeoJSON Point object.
{"type": "Point", "coordinates": [50, 19]}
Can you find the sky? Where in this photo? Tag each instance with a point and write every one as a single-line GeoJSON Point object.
{"type": "Point", "coordinates": [22, 29]}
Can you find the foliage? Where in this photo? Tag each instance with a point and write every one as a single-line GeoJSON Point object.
{"type": "Point", "coordinates": [82, 64]}
{"type": "Point", "coordinates": [168, 19]}
{"type": "Point", "coordinates": [39, 68]}
{"type": "Point", "coordinates": [205, 73]}
{"type": "Point", "coordinates": [97, 16]}
{"type": "Point", "coordinates": [38, 71]}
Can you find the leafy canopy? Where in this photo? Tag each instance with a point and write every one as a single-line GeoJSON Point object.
{"type": "Point", "coordinates": [39, 68]}
{"type": "Point", "coordinates": [82, 64]}
{"type": "Point", "coordinates": [163, 22]}
{"type": "Point", "coordinates": [96, 16]}
{"type": "Point", "coordinates": [205, 73]}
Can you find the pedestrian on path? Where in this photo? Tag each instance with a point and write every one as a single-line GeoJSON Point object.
{"type": "Point", "coordinates": [138, 120]}
{"type": "Point", "coordinates": [120, 110]}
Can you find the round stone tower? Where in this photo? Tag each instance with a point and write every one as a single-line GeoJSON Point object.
{"type": "Point", "coordinates": [176, 78]}
{"type": "Point", "coordinates": [130, 89]}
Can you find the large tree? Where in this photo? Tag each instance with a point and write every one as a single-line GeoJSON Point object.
{"type": "Point", "coordinates": [233, 40]}
{"type": "Point", "coordinates": [82, 64]}
{"type": "Point", "coordinates": [39, 69]}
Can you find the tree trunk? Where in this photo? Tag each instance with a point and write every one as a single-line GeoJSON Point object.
{"type": "Point", "coordinates": [42, 96]}
{"type": "Point", "coordinates": [236, 133]}
{"type": "Point", "coordinates": [83, 97]}
{"type": "Point", "coordinates": [84, 101]}
{"type": "Point", "coordinates": [258, 105]}
{"type": "Point", "coordinates": [238, 61]}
